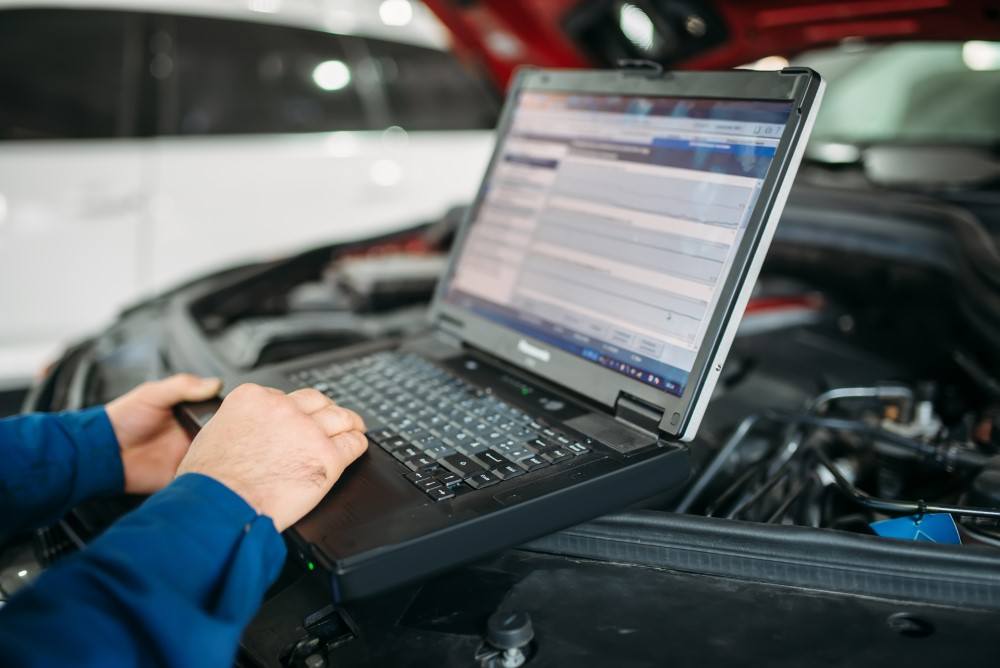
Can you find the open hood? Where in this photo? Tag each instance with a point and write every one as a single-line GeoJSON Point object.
{"type": "Point", "coordinates": [694, 34]}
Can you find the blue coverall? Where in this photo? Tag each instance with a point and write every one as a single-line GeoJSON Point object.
{"type": "Point", "coordinates": [172, 583]}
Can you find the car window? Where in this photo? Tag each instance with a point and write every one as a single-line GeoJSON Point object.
{"type": "Point", "coordinates": [246, 78]}
{"type": "Point", "coordinates": [938, 92]}
{"type": "Point", "coordinates": [75, 87]}
{"type": "Point", "coordinates": [427, 89]}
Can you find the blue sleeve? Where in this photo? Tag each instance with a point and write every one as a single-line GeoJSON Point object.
{"type": "Point", "coordinates": [171, 584]}
{"type": "Point", "coordinates": [53, 461]}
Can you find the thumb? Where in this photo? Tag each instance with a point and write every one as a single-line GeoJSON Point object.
{"type": "Point", "coordinates": [182, 387]}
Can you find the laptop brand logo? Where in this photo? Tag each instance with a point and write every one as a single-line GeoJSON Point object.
{"type": "Point", "coordinates": [540, 354]}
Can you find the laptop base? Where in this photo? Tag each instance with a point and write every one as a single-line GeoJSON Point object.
{"type": "Point", "coordinates": [380, 527]}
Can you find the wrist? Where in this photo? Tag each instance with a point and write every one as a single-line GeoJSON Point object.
{"type": "Point", "coordinates": [100, 469]}
{"type": "Point", "coordinates": [132, 482]}
{"type": "Point", "coordinates": [238, 487]}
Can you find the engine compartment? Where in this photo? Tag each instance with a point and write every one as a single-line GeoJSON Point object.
{"type": "Point", "coordinates": [859, 389]}
{"type": "Point", "coordinates": [856, 390]}
{"type": "Point", "coordinates": [832, 435]}
{"type": "Point", "coordinates": [858, 373]}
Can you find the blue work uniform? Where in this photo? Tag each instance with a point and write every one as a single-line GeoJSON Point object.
{"type": "Point", "coordinates": [172, 583]}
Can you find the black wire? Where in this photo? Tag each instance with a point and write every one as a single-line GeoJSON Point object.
{"type": "Point", "coordinates": [733, 488]}
{"type": "Point", "coordinates": [953, 456]}
{"type": "Point", "coordinates": [893, 506]}
{"type": "Point", "coordinates": [764, 488]}
{"type": "Point", "coordinates": [782, 472]}
{"type": "Point", "coordinates": [792, 497]}
{"type": "Point", "coordinates": [985, 539]}
{"type": "Point", "coordinates": [888, 506]}
{"type": "Point", "coordinates": [713, 467]}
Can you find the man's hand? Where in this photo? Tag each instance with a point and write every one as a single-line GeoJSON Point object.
{"type": "Point", "coordinates": [151, 441]}
{"type": "Point", "coordinates": [281, 453]}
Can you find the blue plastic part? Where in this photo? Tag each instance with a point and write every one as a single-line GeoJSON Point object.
{"type": "Point", "coordinates": [932, 528]}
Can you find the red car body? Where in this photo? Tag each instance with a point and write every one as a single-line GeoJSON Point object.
{"type": "Point", "coordinates": [504, 34]}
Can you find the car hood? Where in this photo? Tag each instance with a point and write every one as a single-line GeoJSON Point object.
{"type": "Point", "coordinates": [696, 34]}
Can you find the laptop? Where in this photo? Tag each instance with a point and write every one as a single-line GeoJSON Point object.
{"type": "Point", "coordinates": [575, 339]}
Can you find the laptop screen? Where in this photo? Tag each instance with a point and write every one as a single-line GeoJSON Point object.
{"type": "Point", "coordinates": [609, 224]}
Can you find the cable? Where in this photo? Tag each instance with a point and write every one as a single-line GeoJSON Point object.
{"type": "Point", "coordinates": [713, 468]}
{"type": "Point", "coordinates": [792, 497]}
{"type": "Point", "coordinates": [821, 401]}
{"type": "Point", "coordinates": [892, 506]}
{"type": "Point", "coordinates": [873, 392]}
{"type": "Point", "coordinates": [980, 536]}
{"type": "Point", "coordinates": [748, 475]}
{"type": "Point", "coordinates": [766, 487]}
{"type": "Point", "coordinates": [949, 456]}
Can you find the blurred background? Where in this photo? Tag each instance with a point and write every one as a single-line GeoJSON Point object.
{"type": "Point", "coordinates": [145, 143]}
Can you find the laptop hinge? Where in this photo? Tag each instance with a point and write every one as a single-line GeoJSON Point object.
{"type": "Point", "coordinates": [443, 327]}
{"type": "Point", "coordinates": [637, 413]}
{"type": "Point", "coordinates": [446, 337]}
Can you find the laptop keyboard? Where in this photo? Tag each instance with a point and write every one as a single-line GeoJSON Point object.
{"type": "Point", "coordinates": [449, 436]}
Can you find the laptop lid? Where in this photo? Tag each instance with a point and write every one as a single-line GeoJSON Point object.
{"type": "Point", "coordinates": [621, 225]}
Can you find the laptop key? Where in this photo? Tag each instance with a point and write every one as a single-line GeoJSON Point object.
{"type": "Point", "coordinates": [418, 476]}
{"type": "Point", "coordinates": [513, 452]}
{"type": "Point", "coordinates": [415, 435]}
{"type": "Point", "coordinates": [533, 463]}
{"type": "Point", "coordinates": [542, 444]}
{"type": "Point", "coordinates": [405, 453]}
{"type": "Point", "coordinates": [493, 459]}
{"type": "Point", "coordinates": [393, 444]}
{"type": "Point", "coordinates": [497, 462]}
{"type": "Point", "coordinates": [482, 479]}
{"type": "Point", "coordinates": [462, 438]}
{"type": "Point", "coordinates": [438, 451]}
{"type": "Point", "coordinates": [380, 435]}
{"type": "Point", "coordinates": [420, 463]}
{"type": "Point", "coordinates": [461, 465]}
{"type": "Point", "coordinates": [440, 493]}
{"type": "Point", "coordinates": [447, 428]}
{"type": "Point", "coordinates": [432, 442]}
{"type": "Point", "coordinates": [508, 471]}
{"type": "Point", "coordinates": [449, 479]}
{"type": "Point", "coordinates": [556, 455]}
{"type": "Point", "coordinates": [429, 484]}
{"type": "Point", "coordinates": [475, 448]}
{"type": "Point", "coordinates": [578, 448]}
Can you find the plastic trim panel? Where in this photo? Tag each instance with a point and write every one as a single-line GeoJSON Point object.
{"type": "Point", "coordinates": [802, 557]}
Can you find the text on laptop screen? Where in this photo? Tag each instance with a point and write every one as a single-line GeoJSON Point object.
{"type": "Point", "coordinates": [609, 224]}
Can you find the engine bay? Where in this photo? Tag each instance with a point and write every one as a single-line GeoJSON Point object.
{"type": "Point", "coordinates": [856, 390]}
{"type": "Point", "coordinates": [858, 403]}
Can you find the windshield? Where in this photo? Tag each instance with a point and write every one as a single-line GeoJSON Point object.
{"type": "Point", "coordinates": [940, 92]}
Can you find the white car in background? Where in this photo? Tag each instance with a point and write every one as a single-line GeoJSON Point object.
{"type": "Point", "coordinates": [144, 142]}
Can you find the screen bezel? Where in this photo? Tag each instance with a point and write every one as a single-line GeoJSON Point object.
{"type": "Point", "coordinates": [797, 86]}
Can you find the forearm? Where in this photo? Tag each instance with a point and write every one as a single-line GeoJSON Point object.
{"type": "Point", "coordinates": [172, 583]}
{"type": "Point", "coordinates": [52, 462]}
